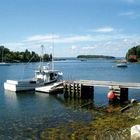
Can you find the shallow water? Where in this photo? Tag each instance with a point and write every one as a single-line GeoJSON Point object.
{"type": "Point", "coordinates": [26, 115]}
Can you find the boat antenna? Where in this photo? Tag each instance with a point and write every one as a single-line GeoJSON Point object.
{"type": "Point", "coordinates": [42, 54]}
{"type": "Point", "coordinates": [52, 53]}
{"type": "Point", "coordinates": [2, 53]}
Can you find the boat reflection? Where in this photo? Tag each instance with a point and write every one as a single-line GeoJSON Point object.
{"type": "Point", "coordinates": [11, 101]}
{"type": "Point", "coordinates": [45, 100]}
{"type": "Point", "coordinates": [10, 96]}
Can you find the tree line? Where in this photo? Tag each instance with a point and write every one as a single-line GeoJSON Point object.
{"type": "Point", "coordinates": [27, 56]}
{"type": "Point", "coordinates": [133, 54]}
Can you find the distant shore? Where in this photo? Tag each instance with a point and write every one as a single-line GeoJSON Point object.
{"type": "Point", "coordinates": [95, 57]}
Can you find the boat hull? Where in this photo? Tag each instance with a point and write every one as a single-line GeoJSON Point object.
{"type": "Point", "coordinates": [20, 86]}
{"type": "Point", "coordinates": [17, 86]}
{"type": "Point", "coordinates": [4, 64]}
{"type": "Point", "coordinates": [122, 65]}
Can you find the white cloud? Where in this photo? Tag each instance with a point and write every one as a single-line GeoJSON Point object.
{"type": "Point", "coordinates": [14, 45]}
{"type": "Point", "coordinates": [89, 48]}
{"type": "Point", "coordinates": [47, 38]}
{"type": "Point", "coordinates": [107, 44]}
{"type": "Point", "coordinates": [43, 39]}
{"type": "Point", "coordinates": [74, 47]}
{"type": "Point", "coordinates": [59, 39]}
{"type": "Point", "coordinates": [104, 30]}
{"type": "Point", "coordinates": [78, 38]}
{"type": "Point", "coordinates": [130, 13]}
{"type": "Point", "coordinates": [130, 1]}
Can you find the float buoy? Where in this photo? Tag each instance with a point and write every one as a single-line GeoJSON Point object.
{"type": "Point", "coordinates": [111, 95]}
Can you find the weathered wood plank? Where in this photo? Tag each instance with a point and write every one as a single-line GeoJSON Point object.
{"type": "Point", "coordinates": [109, 83]}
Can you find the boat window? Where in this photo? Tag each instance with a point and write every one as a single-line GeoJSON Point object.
{"type": "Point", "coordinates": [37, 72]}
{"type": "Point", "coordinates": [33, 82]}
{"type": "Point", "coordinates": [51, 76]}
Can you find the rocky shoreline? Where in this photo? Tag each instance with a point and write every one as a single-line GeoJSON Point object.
{"type": "Point", "coordinates": [110, 124]}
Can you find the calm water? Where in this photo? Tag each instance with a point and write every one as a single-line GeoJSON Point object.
{"type": "Point", "coordinates": [25, 114]}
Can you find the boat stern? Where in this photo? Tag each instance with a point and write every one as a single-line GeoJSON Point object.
{"type": "Point", "coordinates": [10, 86]}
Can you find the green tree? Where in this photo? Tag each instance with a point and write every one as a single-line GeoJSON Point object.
{"type": "Point", "coordinates": [133, 54]}
{"type": "Point", "coordinates": [27, 56]}
{"type": "Point", "coordinates": [138, 52]}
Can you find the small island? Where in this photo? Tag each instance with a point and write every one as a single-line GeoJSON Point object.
{"type": "Point", "coordinates": [95, 57]}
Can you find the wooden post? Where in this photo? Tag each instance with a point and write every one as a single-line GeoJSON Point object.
{"type": "Point", "coordinates": [87, 92]}
{"type": "Point", "coordinates": [65, 85]}
{"type": "Point", "coordinates": [123, 94]}
{"type": "Point", "coordinates": [75, 90]}
{"type": "Point", "coordinates": [78, 94]}
{"type": "Point", "coordinates": [70, 90]}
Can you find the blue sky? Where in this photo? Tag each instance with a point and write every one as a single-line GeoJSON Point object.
{"type": "Point", "coordinates": [73, 27]}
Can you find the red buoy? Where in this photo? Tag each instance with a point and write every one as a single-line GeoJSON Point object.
{"type": "Point", "coordinates": [111, 95]}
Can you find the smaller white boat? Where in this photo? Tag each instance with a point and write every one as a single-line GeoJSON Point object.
{"type": "Point", "coordinates": [123, 64]}
{"type": "Point", "coordinates": [4, 64]}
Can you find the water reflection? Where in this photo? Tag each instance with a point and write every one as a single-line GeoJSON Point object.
{"type": "Point", "coordinates": [73, 102]}
{"type": "Point", "coordinates": [29, 114]}
{"type": "Point", "coordinates": [10, 97]}
{"type": "Point", "coordinates": [26, 114]}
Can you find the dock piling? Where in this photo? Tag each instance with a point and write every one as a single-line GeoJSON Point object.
{"type": "Point", "coordinates": [87, 92]}
{"type": "Point", "coordinates": [77, 90]}
{"type": "Point", "coordinates": [123, 94]}
{"type": "Point", "coordinates": [85, 89]}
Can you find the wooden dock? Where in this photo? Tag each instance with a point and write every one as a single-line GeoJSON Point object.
{"type": "Point", "coordinates": [108, 84]}
{"type": "Point", "coordinates": [85, 89]}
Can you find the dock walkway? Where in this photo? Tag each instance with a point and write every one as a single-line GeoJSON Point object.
{"type": "Point", "coordinates": [109, 84]}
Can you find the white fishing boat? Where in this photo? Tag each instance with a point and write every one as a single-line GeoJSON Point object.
{"type": "Point", "coordinates": [43, 75]}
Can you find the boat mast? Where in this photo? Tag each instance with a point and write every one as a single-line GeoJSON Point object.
{"type": "Point", "coordinates": [42, 55]}
{"type": "Point", "coordinates": [52, 53]}
{"type": "Point", "coordinates": [2, 54]}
